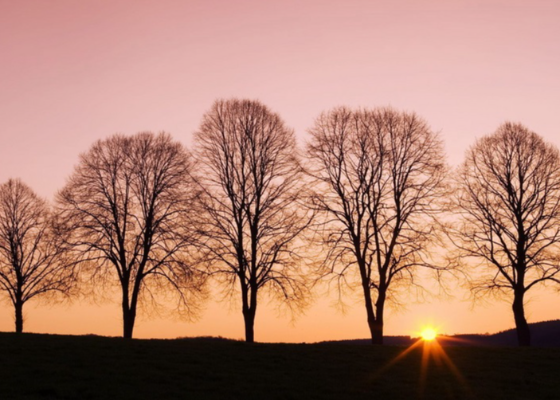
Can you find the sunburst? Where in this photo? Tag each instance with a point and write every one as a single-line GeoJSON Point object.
{"type": "Point", "coordinates": [428, 334]}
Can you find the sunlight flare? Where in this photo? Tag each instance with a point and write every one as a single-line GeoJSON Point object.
{"type": "Point", "coordinates": [428, 334]}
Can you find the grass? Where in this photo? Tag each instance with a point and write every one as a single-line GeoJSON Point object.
{"type": "Point", "coordinates": [88, 367]}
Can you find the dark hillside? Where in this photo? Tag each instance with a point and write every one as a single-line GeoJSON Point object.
{"type": "Point", "coordinates": [72, 367]}
{"type": "Point", "coordinates": [543, 334]}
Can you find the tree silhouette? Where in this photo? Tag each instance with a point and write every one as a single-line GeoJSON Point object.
{"type": "Point", "coordinates": [509, 199]}
{"type": "Point", "coordinates": [128, 209]}
{"type": "Point", "coordinates": [251, 176]}
{"type": "Point", "coordinates": [379, 177]}
{"type": "Point", "coordinates": [31, 262]}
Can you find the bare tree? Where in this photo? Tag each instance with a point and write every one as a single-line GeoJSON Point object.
{"type": "Point", "coordinates": [128, 210]}
{"type": "Point", "coordinates": [31, 262]}
{"type": "Point", "coordinates": [509, 199]}
{"type": "Point", "coordinates": [379, 179]}
{"type": "Point", "coordinates": [250, 173]}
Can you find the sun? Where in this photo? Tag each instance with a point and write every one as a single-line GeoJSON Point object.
{"type": "Point", "coordinates": [428, 334]}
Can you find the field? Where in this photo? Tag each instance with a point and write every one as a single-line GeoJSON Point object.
{"type": "Point", "coordinates": [88, 367]}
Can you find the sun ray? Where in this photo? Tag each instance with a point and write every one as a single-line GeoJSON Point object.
{"type": "Point", "coordinates": [399, 357]}
{"type": "Point", "coordinates": [426, 350]}
{"type": "Point", "coordinates": [431, 350]}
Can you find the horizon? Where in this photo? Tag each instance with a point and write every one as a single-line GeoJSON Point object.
{"type": "Point", "coordinates": [415, 335]}
{"type": "Point", "coordinates": [80, 72]}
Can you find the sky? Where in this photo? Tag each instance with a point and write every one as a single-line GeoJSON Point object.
{"type": "Point", "coordinates": [72, 72]}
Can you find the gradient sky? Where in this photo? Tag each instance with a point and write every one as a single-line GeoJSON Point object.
{"type": "Point", "coordinates": [72, 72]}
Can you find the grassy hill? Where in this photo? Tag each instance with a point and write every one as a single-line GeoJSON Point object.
{"type": "Point", "coordinates": [88, 367]}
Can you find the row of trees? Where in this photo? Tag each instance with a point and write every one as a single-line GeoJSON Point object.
{"type": "Point", "coordinates": [372, 194]}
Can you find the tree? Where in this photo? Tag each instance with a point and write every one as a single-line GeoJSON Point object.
{"type": "Point", "coordinates": [128, 209]}
{"type": "Point", "coordinates": [379, 177]}
{"type": "Point", "coordinates": [251, 177]}
{"type": "Point", "coordinates": [31, 262]}
{"type": "Point", "coordinates": [508, 198]}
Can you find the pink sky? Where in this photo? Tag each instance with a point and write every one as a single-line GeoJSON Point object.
{"type": "Point", "coordinates": [72, 72]}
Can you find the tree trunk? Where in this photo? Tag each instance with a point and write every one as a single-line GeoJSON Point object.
{"type": "Point", "coordinates": [19, 316]}
{"type": "Point", "coordinates": [249, 318]}
{"type": "Point", "coordinates": [128, 309]}
{"type": "Point", "coordinates": [374, 329]}
{"type": "Point", "coordinates": [521, 325]}
{"type": "Point", "coordinates": [249, 312]}
{"type": "Point", "coordinates": [129, 316]}
{"type": "Point", "coordinates": [377, 326]}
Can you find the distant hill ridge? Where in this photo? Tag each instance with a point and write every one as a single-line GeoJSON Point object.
{"type": "Point", "coordinates": [543, 334]}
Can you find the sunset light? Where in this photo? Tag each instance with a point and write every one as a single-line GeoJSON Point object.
{"type": "Point", "coordinates": [428, 334]}
{"type": "Point", "coordinates": [280, 199]}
